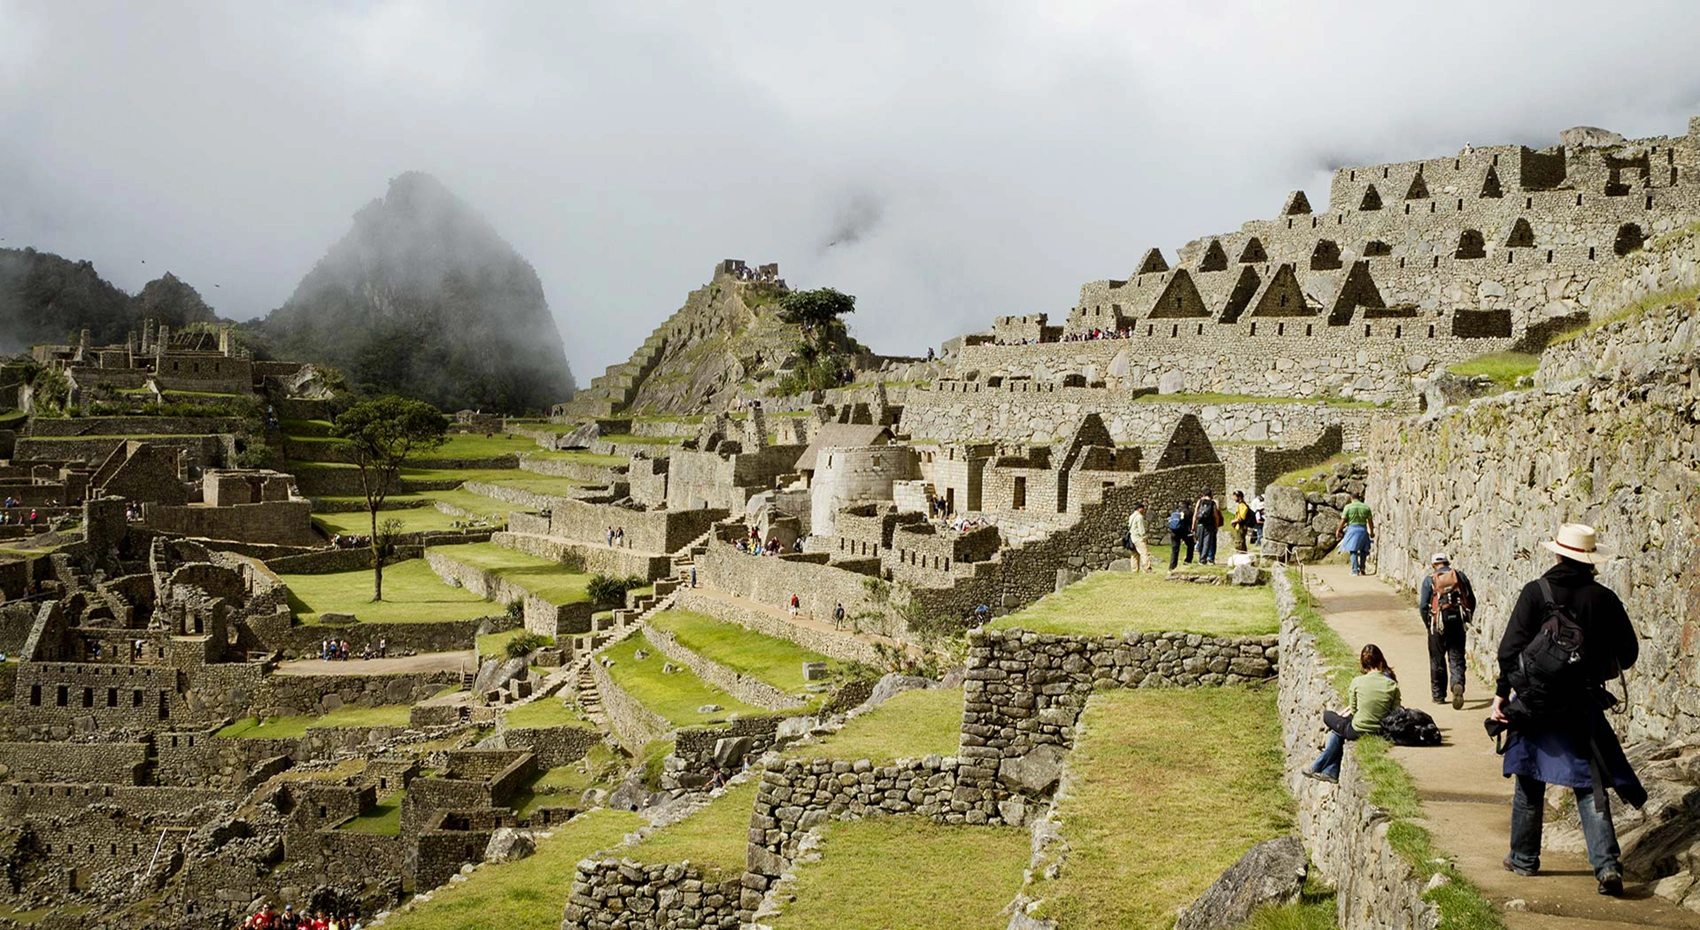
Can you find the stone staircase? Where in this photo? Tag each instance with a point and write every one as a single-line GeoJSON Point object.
{"type": "Point", "coordinates": [611, 392]}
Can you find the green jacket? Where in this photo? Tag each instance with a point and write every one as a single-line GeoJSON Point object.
{"type": "Point", "coordinates": [1373, 696]}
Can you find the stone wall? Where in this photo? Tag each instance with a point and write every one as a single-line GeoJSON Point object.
{"type": "Point", "coordinates": [633, 724]}
{"type": "Point", "coordinates": [746, 688]}
{"type": "Point", "coordinates": [621, 893]}
{"type": "Point", "coordinates": [553, 746]}
{"type": "Point", "coordinates": [400, 637]}
{"type": "Point", "coordinates": [285, 523]}
{"type": "Point", "coordinates": [841, 646]}
{"type": "Point", "coordinates": [693, 749]}
{"type": "Point", "coordinates": [651, 531]}
{"type": "Point", "coordinates": [102, 763]}
{"type": "Point", "coordinates": [133, 426]}
{"type": "Point", "coordinates": [541, 616]}
{"type": "Point", "coordinates": [196, 451]}
{"type": "Point", "coordinates": [772, 581]}
{"type": "Point", "coordinates": [527, 537]}
{"type": "Point", "coordinates": [314, 695]}
{"type": "Point", "coordinates": [1345, 833]}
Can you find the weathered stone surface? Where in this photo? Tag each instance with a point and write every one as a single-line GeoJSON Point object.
{"type": "Point", "coordinates": [507, 844]}
{"type": "Point", "coordinates": [1036, 773]}
{"type": "Point", "coordinates": [1272, 872]}
{"type": "Point", "coordinates": [496, 673]}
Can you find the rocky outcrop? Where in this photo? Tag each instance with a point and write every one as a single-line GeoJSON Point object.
{"type": "Point", "coordinates": [1270, 873]}
{"type": "Point", "coordinates": [1299, 524]}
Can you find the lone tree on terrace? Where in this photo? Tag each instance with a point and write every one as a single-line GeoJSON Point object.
{"type": "Point", "coordinates": [818, 311]}
{"type": "Point", "coordinates": [379, 435]}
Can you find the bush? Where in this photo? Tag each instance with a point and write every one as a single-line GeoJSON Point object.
{"type": "Point", "coordinates": [611, 589]}
{"type": "Point", "coordinates": [516, 609]}
{"type": "Point", "coordinates": [522, 645]}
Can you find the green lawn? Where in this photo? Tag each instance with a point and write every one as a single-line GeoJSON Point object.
{"type": "Point", "coordinates": [564, 785]}
{"type": "Point", "coordinates": [476, 446]}
{"type": "Point", "coordinates": [384, 818]}
{"type": "Point", "coordinates": [910, 725]}
{"type": "Point", "coordinates": [387, 715]}
{"type": "Point", "coordinates": [627, 439]}
{"type": "Point", "coordinates": [412, 594]}
{"type": "Point", "coordinates": [578, 456]}
{"type": "Point", "coordinates": [551, 581]}
{"type": "Point", "coordinates": [526, 894]}
{"type": "Point", "coordinates": [506, 477]}
{"type": "Point", "coordinates": [714, 839]}
{"type": "Point", "coordinates": [1313, 477]}
{"type": "Point", "coordinates": [1170, 788]}
{"type": "Point", "coordinates": [908, 872]}
{"type": "Point", "coordinates": [1503, 367]}
{"type": "Point", "coordinates": [779, 662]}
{"type": "Point", "coordinates": [675, 697]}
{"type": "Point", "coordinates": [547, 712]}
{"type": "Point", "coordinates": [269, 728]}
{"type": "Point", "coordinates": [1127, 602]}
{"type": "Point", "coordinates": [495, 644]}
{"type": "Point", "coordinates": [12, 419]}
{"type": "Point", "coordinates": [1210, 397]}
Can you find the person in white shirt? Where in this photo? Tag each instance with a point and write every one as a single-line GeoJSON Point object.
{"type": "Point", "coordinates": [1136, 536]}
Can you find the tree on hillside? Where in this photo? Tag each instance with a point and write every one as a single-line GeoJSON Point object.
{"type": "Point", "coordinates": [817, 311]}
{"type": "Point", "coordinates": [378, 436]}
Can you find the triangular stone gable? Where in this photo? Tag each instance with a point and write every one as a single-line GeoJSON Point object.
{"type": "Point", "coordinates": [1471, 245]}
{"type": "Point", "coordinates": [1253, 252]}
{"type": "Point", "coordinates": [1284, 296]}
{"type": "Point", "coordinates": [1091, 431]}
{"type": "Point", "coordinates": [1244, 290]}
{"type": "Point", "coordinates": [1358, 290]}
{"type": "Point", "coordinates": [1418, 189]}
{"type": "Point", "coordinates": [1215, 259]}
{"type": "Point", "coordinates": [1297, 204]}
{"type": "Point", "coordinates": [1372, 199]}
{"type": "Point", "coordinates": [1188, 445]}
{"type": "Point", "coordinates": [1522, 236]}
{"type": "Point", "coordinates": [1490, 184]}
{"type": "Point", "coordinates": [1326, 256]}
{"type": "Point", "coordinates": [1180, 299]}
{"type": "Point", "coordinates": [1152, 263]}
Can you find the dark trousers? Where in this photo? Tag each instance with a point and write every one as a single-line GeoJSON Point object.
{"type": "Point", "coordinates": [1177, 539]}
{"type": "Point", "coordinates": [1445, 655]}
{"type": "Point", "coordinates": [1598, 832]}
{"type": "Point", "coordinates": [1206, 546]}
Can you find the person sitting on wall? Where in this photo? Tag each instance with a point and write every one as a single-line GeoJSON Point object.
{"type": "Point", "coordinates": [1370, 697]}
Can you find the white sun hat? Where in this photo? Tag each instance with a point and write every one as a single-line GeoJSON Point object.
{"type": "Point", "coordinates": [1577, 541]}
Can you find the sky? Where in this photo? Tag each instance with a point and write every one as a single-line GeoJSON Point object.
{"type": "Point", "coordinates": [945, 162]}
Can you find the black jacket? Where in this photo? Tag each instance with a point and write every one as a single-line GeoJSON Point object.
{"type": "Point", "coordinates": [1609, 640]}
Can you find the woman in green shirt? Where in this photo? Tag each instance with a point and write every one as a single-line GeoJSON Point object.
{"type": "Point", "coordinates": [1370, 697]}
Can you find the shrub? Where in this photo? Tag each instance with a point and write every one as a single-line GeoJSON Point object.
{"type": "Point", "coordinates": [522, 645]}
{"type": "Point", "coordinates": [611, 589]}
{"type": "Point", "coordinates": [516, 609]}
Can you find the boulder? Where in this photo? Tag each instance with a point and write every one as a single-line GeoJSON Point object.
{"type": "Point", "coordinates": [507, 844]}
{"type": "Point", "coordinates": [1245, 574]}
{"type": "Point", "coordinates": [336, 619]}
{"type": "Point", "coordinates": [1270, 873]}
{"type": "Point", "coordinates": [1035, 773]}
{"type": "Point", "coordinates": [794, 728]}
{"type": "Point", "coordinates": [1121, 565]}
{"type": "Point", "coordinates": [1171, 382]}
{"type": "Point", "coordinates": [729, 751]}
{"type": "Point", "coordinates": [1284, 503]}
{"type": "Point", "coordinates": [892, 684]}
{"type": "Point", "coordinates": [815, 671]}
{"type": "Point", "coordinates": [1578, 137]}
{"type": "Point", "coordinates": [580, 438]}
{"type": "Point", "coordinates": [630, 796]}
{"type": "Point", "coordinates": [495, 673]}
{"type": "Point", "coordinates": [710, 709]}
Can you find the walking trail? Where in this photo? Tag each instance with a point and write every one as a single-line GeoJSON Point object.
{"type": "Point", "coordinates": [1465, 797]}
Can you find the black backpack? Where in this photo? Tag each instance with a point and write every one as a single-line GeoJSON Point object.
{"type": "Point", "coordinates": [1551, 675]}
{"type": "Point", "coordinates": [1407, 726]}
{"type": "Point", "coordinates": [1207, 513]}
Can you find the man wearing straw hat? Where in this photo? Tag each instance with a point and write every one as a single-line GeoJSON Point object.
{"type": "Point", "coordinates": [1568, 635]}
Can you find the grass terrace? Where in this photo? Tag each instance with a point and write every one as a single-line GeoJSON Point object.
{"type": "Point", "coordinates": [578, 457]}
{"type": "Point", "coordinates": [675, 697]}
{"type": "Point", "coordinates": [1116, 603]}
{"type": "Point", "coordinates": [779, 662]}
{"type": "Point", "coordinates": [1313, 477]}
{"type": "Point", "coordinates": [412, 594]}
{"type": "Point", "coordinates": [386, 715]}
{"type": "Point", "coordinates": [1142, 841]}
{"type": "Point", "coordinates": [475, 446]}
{"type": "Point", "coordinates": [549, 580]}
{"type": "Point", "coordinates": [416, 510]}
{"type": "Point", "coordinates": [526, 894]}
{"type": "Point", "coordinates": [908, 872]}
{"type": "Point", "coordinates": [496, 644]}
{"type": "Point", "coordinates": [547, 712]}
{"type": "Point", "coordinates": [506, 477]}
{"type": "Point", "coordinates": [564, 785]}
{"type": "Point", "coordinates": [1503, 367]}
{"type": "Point", "coordinates": [383, 819]}
{"type": "Point", "coordinates": [714, 839]}
{"type": "Point", "coordinates": [12, 419]}
{"type": "Point", "coordinates": [909, 725]}
{"type": "Point", "coordinates": [627, 439]}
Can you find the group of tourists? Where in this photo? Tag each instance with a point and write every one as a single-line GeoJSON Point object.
{"type": "Point", "coordinates": [1193, 528]}
{"type": "Point", "coordinates": [16, 514]}
{"type": "Point", "coordinates": [350, 541]}
{"type": "Point", "coordinates": [337, 650]}
{"type": "Point", "coordinates": [617, 537]}
{"type": "Point", "coordinates": [1567, 638]}
{"type": "Point", "coordinates": [287, 919]}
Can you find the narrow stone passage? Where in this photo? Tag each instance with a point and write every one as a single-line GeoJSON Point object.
{"type": "Point", "coordinates": [1465, 796]}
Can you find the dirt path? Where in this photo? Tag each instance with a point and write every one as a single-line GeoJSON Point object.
{"type": "Point", "coordinates": [424, 662]}
{"type": "Point", "coordinates": [1466, 797]}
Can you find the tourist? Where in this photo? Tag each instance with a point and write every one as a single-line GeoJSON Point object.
{"type": "Point", "coordinates": [1370, 697]}
{"type": "Point", "coordinates": [610, 537]}
{"type": "Point", "coordinates": [693, 576]}
{"type": "Point", "coordinates": [1241, 521]}
{"type": "Point", "coordinates": [383, 647]}
{"type": "Point", "coordinates": [1257, 519]}
{"type": "Point", "coordinates": [1356, 532]}
{"type": "Point", "coordinates": [1180, 533]}
{"type": "Point", "coordinates": [1445, 603]}
{"type": "Point", "coordinates": [838, 616]}
{"type": "Point", "coordinates": [1558, 733]}
{"type": "Point", "coordinates": [1136, 539]}
{"type": "Point", "coordinates": [796, 605]}
{"type": "Point", "coordinates": [1206, 519]}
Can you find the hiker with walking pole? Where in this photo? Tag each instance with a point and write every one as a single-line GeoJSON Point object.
{"type": "Point", "coordinates": [1567, 637]}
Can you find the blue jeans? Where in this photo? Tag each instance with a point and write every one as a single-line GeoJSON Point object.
{"type": "Point", "coordinates": [1340, 730]}
{"type": "Point", "coordinates": [1526, 816]}
{"type": "Point", "coordinates": [1358, 559]}
{"type": "Point", "coordinates": [1206, 547]}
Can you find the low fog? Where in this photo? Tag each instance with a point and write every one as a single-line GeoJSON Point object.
{"type": "Point", "coordinates": [945, 162]}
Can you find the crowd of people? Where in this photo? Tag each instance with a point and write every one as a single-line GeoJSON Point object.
{"type": "Point", "coordinates": [17, 514]}
{"type": "Point", "coordinates": [753, 545]}
{"type": "Point", "coordinates": [287, 919]}
{"type": "Point", "coordinates": [337, 650]}
{"type": "Point", "coordinates": [350, 541]}
{"type": "Point", "coordinates": [1193, 527]}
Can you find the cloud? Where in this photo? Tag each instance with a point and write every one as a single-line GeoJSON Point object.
{"type": "Point", "coordinates": [947, 162]}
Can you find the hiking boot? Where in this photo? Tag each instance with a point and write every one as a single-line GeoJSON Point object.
{"type": "Point", "coordinates": [1457, 697]}
{"type": "Point", "coordinates": [1441, 699]}
{"type": "Point", "coordinates": [1515, 870]}
{"type": "Point", "coordinates": [1611, 883]}
{"type": "Point", "coordinates": [1321, 776]}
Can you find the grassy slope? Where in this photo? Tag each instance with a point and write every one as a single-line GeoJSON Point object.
{"type": "Point", "coordinates": [909, 872]}
{"type": "Point", "coordinates": [384, 817]}
{"type": "Point", "coordinates": [1170, 788]}
{"type": "Point", "coordinates": [548, 712]}
{"type": "Point", "coordinates": [548, 580]}
{"type": "Point", "coordinates": [1126, 602]}
{"type": "Point", "coordinates": [412, 593]}
{"type": "Point", "coordinates": [388, 715]}
{"type": "Point", "coordinates": [776, 661]}
{"type": "Point", "coordinates": [911, 725]}
{"type": "Point", "coordinates": [714, 838]}
{"type": "Point", "coordinates": [675, 697]}
{"type": "Point", "coordinates": [528, 894]}
{"type": "Point", "coordinates": [1503, 367]}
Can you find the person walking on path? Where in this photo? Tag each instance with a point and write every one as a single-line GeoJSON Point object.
{"type": "Point", "coordinates": [1241, 512]}
{"type": "Point", "coordinates": [1180, 533]}
{"type": "Point", "coordinates": [1370, 697]}
{"type": "Point", "coordinates": [1206, 519]}
{"type": "Point", "coordinates": [1556, 728]}
{"type": "Point", "coordinates": [838, 616]}
{"type": "Point", "coordinates": [1446, 602]}
{"type": "Point", "coordinates": [1136, 538]}
{"type": "Point", "coordinates": [1356, 532]}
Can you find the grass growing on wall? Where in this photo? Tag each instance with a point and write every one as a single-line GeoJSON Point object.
{"type": "Point", "coordinates": [909, 725]}
{"type": "Point", "coordinates": [1128, 602]}
{"type": "Point", "coordinates": [477, 446]}
{"type": "Point", "coordinates": [385, 715]}
{"type": "Point", "coordinates": [1503, 367]}
{"type": "Point", "coordinates": [526, 894]}
{"type": "Point", "coordinates": [908, 872]}
{"type": "Point", "coordinates": [412, 594]}
{"type": "Point", "coordinates": [1650, 302]}
{"type": "Point", "coordinates": [1170, 788]}
{"type": "Point", "coordinates": [675, 696]}
{"type": "Point", "coordinates": [578, 457]}
{"type": "Point", "coordinates": [547, 579]}
{"type": "Point", "coordinates": [778, 662]}
{"type": "Point", "coordinates": [1313, 477]}
{"type": "Point", "coordinates": [714, 839]}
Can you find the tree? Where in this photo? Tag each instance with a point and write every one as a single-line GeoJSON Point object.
{"type": "Point", "coordinates": [378, 436]}
{"type": "Point", "coordinates": [816, 310]}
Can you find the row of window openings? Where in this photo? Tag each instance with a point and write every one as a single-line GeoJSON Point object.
{"type": "Point", "coordinates": [111, 849]}
{"type": "Point", "coordinates": [63, 698]}
{"type": "Point", "coordinates": [1457, 165]}
{"type": "Point", "coordinates": [1433, 207]}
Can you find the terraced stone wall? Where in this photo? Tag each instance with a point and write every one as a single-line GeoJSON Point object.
{"type": "Point", "coordinates": [619, 893]}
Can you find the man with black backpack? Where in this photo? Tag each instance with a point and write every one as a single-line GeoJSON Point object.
{"type": "Point", "coordinates": [1568, 636]}
{"type": "Point", "coordinates": [1206, 520]}
{"type": "Point", "coordinates": [1180, 533]}
{"type": "Point", "coordinates": [1446, 603]}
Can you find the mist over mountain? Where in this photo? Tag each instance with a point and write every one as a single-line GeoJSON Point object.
{"type": "Point", "coordinates": [47, 298]}
{"type": "Point", "coordinates": [422, 297]}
